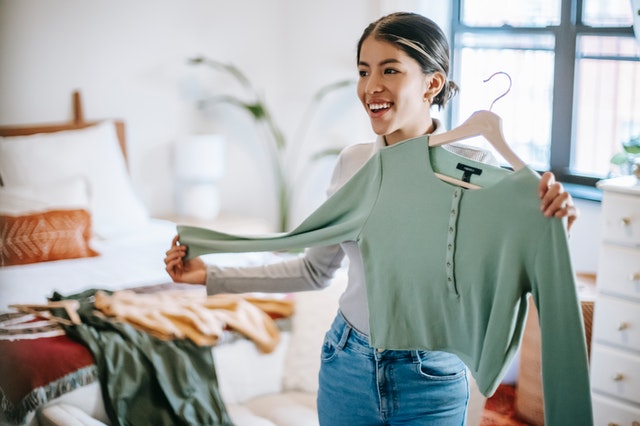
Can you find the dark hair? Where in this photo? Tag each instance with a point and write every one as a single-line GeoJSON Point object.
{"type": "Point", "coordinates": [420, 38]}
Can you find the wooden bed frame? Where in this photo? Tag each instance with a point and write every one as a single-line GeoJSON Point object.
{"type": "Point", "coordinates": [77, 122]}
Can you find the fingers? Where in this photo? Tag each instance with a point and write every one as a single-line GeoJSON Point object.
{"type": "Point", "coordinates": [556, 202]}
{"type": "Point", "coordinates": [174, 264]}
{"type": "Point", "coordinates": [572, 215]}
{"type": "Point", "coordinates": [176, 251]}
{"type": "Point", "coordinates": [546, 181]}
{"type": "Point", "coordinates": [174, 269]}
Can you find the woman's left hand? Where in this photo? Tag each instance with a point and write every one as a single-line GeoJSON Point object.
{"type": "Point", "coordinates": [556, 202]}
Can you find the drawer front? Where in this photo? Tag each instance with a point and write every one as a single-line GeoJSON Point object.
{"type": "Point", "coordinates": [619, 271]}
{"type": "Point", "coordinates": [615, 373]}
{"type": "Point", "coordinates": [621, 218]}
{"type": "Point", "coordinates": [617, 322]}
{"type": "Point", "coordinates": [609, 412]}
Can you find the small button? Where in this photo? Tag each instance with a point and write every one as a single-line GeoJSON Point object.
{"type": "Point", "coordinates": [380, 350]}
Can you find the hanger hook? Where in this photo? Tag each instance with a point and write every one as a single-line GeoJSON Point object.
{"type": "Point", "coordinates": [508, 88]}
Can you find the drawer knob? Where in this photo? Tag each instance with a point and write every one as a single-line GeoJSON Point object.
{"type": "Point", "coordinates": [623, 326]}
{"type": "Point", "coordinates": [612, 424]}
{"type": "Point", "coordinates": [618, 377]}
{"type": "Point", "coordinates": [635, 276]}
{"type": "Point", "coordinates": [625, 221]}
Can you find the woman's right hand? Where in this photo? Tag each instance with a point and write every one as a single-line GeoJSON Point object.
{"type": "Point", "coordinates": [193, 271]}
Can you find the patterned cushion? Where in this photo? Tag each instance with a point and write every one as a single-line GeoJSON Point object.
{"type": "Point", "coordinates": [45, 236]}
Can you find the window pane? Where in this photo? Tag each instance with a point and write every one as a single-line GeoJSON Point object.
{"type": "Point", "coordinates": [607, 13]}
{"type": "Point", "coordinates": [526, 109]}
{"type": "Point", "coordinates": [607, 101]}
{"type": "Point", "coordinates": [496, 13]}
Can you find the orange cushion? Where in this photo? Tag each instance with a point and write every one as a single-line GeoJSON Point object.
{"type": "Point", "coordinates": [45, 236]}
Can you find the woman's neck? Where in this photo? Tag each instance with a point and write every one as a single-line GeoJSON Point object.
{"type": "Point", "coordinates": [399, 136]}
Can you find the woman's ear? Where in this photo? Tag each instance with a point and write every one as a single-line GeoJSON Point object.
{"type": "Point", "coordinates": [435, 83]}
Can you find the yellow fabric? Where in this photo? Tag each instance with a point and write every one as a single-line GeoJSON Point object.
{"type": "Point", "coordinates": [178, 314]}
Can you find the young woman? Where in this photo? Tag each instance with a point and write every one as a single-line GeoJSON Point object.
{"type": "Point", "coordinates": [403, 63]}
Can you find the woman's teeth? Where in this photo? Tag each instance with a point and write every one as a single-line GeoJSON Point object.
{"type": "Point", "coordinates": [377, 107]}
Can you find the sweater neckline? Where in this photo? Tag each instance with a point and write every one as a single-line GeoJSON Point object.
{"type": "Point", "coordinates": [497, 176]}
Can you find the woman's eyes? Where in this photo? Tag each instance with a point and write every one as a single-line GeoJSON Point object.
{"type": "Point", "coordinates": [364, 73]}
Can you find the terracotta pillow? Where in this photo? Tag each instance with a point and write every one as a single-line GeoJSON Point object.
{"type": "Point", "coordinates": [45, 236]}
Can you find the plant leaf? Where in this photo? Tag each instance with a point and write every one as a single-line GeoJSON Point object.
{"type": "Point", "coordinates": [257, 110]}
{"type": "Point", "coordinates": [329, 152]}
{"type": "Point", "coordinates": [325, 90]}
{"type": "Point", "coordinates": [619, 158]}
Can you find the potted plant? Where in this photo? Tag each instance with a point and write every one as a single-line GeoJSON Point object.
{"type": "Point", "coordinates": [629, 159]}
{"type": "Point", "coordinates": [257, 108]}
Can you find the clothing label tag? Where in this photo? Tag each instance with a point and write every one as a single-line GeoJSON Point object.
{"type": "Point", "coordinates": [468, 171]}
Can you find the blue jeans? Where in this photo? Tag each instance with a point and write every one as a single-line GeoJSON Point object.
{"type": "Point", "coordinates": [361, 385]}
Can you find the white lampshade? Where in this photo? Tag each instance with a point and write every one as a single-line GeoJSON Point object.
{"type": "Point", "coordinates": [200, 201]}
{"type": "Point", "coordinates": [199, 158]}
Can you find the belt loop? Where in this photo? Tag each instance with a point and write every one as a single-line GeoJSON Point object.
{"type": "Point", "coordinates": [346, 329]}
{"type": "Point", "coordinates": [415, 355]}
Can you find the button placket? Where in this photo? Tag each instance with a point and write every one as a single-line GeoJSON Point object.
{"type": "Point", "coordinates": [451, 240]}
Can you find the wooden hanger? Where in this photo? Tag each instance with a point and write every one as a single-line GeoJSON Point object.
{"type": "Point", "coordinates": [70, 306]}
{"type": "Point", "coordinates": [481, 123]}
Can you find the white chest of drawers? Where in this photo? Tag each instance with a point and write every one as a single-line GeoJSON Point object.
{"type": "Point", "coordinates": [615, 345]}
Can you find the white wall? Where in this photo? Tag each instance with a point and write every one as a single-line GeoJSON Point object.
{"type": "Point", "coordinates": [129, 60]}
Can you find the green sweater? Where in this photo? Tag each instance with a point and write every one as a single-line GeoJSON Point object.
{"type": "Point", "coordinates": [449, 268]}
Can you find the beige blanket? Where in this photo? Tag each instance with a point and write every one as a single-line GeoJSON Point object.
{"type": "Point", "coordinates": [177, 314]}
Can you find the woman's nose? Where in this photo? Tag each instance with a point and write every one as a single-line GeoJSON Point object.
{"type": "Point", "coordinates": [374, 84]}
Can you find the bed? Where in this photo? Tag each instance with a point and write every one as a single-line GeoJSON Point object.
{"type": "Point", "coordinates": [70, 221]}
{"type": "Point", "coordinates": [73, 167]}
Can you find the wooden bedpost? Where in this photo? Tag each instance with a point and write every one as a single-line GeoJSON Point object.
{"type": "Point", "coordinates": [78, 114]}
{"type": "Point", "coordinates": [76, 122]}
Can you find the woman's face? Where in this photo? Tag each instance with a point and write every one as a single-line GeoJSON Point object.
{"type": "Point", "coordinates": [392, 89]}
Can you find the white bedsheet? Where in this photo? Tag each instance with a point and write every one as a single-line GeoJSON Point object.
{"type": "Point", "coordinates": [133, 260]}
{"type": "Point", "coordinates": [129, 261]}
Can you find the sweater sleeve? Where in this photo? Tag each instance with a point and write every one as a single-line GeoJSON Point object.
{"type": "Point", "coordinates": [340, 218]}
{"type": "Point", "coordinates": [311, 271]}
{"type": "Point", "coordinates": [565, 367]}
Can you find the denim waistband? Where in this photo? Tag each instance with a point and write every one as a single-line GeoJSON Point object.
{"type": "Point", "coordinates": [346, 331]}
{"type": "Point", "coordinates": [344, 334]}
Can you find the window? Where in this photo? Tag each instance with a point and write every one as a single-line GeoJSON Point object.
{"type": "Point", "coordinates": [575, 71]}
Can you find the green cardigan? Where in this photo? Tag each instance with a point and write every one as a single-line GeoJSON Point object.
{"type": "Point", "coordinates": [449, 268]}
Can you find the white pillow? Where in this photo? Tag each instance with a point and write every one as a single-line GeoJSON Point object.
{"type": "Point", "coordinates": [72, 193]}
{"type": "Point", "coordinates": [92, 153]}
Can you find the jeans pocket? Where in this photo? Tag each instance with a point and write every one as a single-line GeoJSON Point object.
{"type": "Point", "coordinates": [438, 365]}
{"type": "Point", "coordinates": [329, 349]}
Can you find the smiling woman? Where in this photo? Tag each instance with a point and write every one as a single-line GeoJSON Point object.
{"type": "Point", "coordinates": [403, 62]}
{"type": "Point", "coordinates": [389, 74]}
